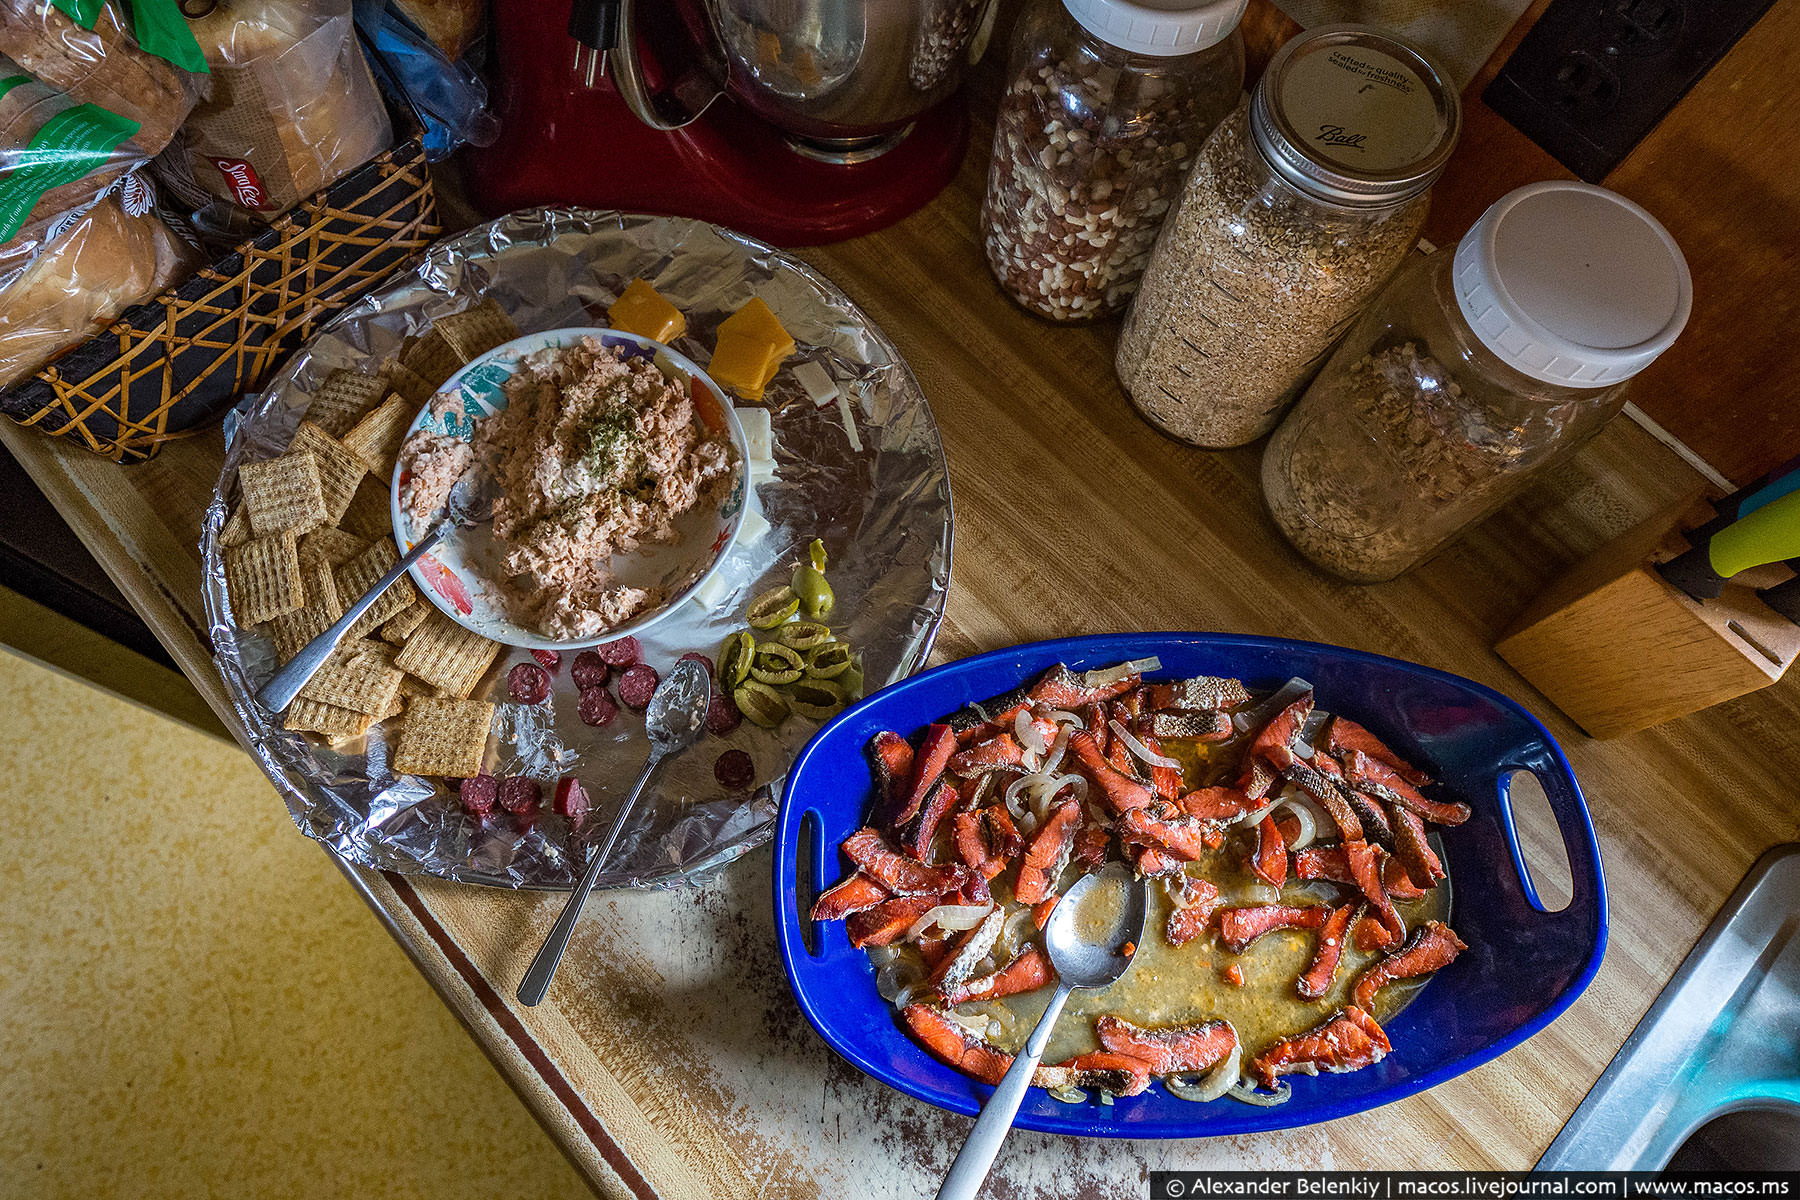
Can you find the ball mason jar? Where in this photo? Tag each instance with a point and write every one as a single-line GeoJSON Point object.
{"type": "Point", "coordinates": [1107, 106]}
{"type": "Point", "coordinates": [1473, 371]}
{"type": "Point", "coordinates": [1302, 205]}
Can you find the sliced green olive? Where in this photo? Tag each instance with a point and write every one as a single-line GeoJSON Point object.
{"type": "Point", "coordinates": [762, 704]}
{"type": "Point", "coordinates": [815, 698]}
{"type": "Point", "coordinates": [803, 635]}
{"type": "Point", "coordinates": [829, 660]}
{"type": "Point", "coordinates": [851, 681]}
{"type": "Point", "coordinates": [736, 657]}
{"type": "Point", "coordinates": [816, 596]}
{"type": "Point", "coordinates": [772, 608]}
{"type": "Point", "coordinates": [776, 663]}
{"type": "Point", "coordinates": [816, 552]}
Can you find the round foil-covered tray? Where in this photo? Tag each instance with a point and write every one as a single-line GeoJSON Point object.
{"type": "Point", "coordinates": [877, 494]}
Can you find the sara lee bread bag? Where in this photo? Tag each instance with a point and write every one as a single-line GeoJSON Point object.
{"type": "Point", "coordinates": [293, 104]}
{"type": "Point", "coordinates": [62, 278]}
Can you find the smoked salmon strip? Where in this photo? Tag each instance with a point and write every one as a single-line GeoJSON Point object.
{"type": "Point", "coordinates": [1170, 1050]}
{"type": "Point", "coordinates": [855, 894]}
{"type": "Point", "coordinates": [1120, 791]}
{"type": "Point", "coordinates": [1330, 951]}
{"type": "Point", "coordinates": [1047, 854]}
{"type": "Point", "coordinates": [1432, 948]}
{"type": "Point", "coordinates": [1348, 1041]}
{"type": "Point", "coordinates": [1028, 971]}
{"type": "Point", "coordinates": [1239, 927]}
{"type": "Point", "coordinates": [894, 871]}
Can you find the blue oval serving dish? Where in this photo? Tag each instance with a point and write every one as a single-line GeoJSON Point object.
{"type": "Point", "coordinates": [1525, 965]}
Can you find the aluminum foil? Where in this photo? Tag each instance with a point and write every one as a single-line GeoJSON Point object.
{"type": "Point", "coordinates": [883, 512]}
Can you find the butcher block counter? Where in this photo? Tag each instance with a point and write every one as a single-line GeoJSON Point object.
{"type": "Point", "coordinates": [669, 1059]}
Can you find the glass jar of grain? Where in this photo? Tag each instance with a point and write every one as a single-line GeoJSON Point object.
{"type": "Point", "coordinates": [1302, 204]}
{"type": "Point", "coordinates": [1474, 370]}
{"type": "Point", "coordinates": [1109, 103]}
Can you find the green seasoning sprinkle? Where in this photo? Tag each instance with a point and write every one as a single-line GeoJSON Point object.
{"type": "Point", "coordinates": [610, 446]}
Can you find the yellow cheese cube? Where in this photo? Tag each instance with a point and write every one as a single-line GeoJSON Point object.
{"type": "Point", "coordinates": [744, 364]}
{"type": "Point", "coordinates": [756, 320]}
{"type": "Point", "coordinates": [641, 309]}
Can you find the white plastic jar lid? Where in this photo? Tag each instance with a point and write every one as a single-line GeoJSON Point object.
{"type": "Point", "coordinates": [1158, 27]}
{"type": "Point", "coordinates": [1572, 284]}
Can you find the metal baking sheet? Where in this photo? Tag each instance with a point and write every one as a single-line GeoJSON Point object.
{"type": "Point", "coordinates": [883, 511]}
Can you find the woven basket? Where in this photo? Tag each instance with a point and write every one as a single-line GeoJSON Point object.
{"type": "Point", "coordinates": [165, 367]}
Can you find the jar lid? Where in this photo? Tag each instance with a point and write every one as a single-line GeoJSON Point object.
{"type": "Point", "coordinates": [1158, 27]}
{"type": "Point", "coordinates": [1355, 116]}
{"type": "Point", "coordinates": [1572, 284]}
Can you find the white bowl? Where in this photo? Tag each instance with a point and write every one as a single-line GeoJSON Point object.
{"type": "Point", "coordinates": [461, 575]}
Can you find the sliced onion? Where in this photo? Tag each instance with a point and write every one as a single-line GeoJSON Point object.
{"type": "Point", "coordinates": [1061, 747]}
{"type": "Point", "coordinates": [1252, 718]}
{"type": "Point", "coordinates": [1142, 666]}
{"type": "Point", "coordinates": [953, 918]}
{"type": "Point", "coordinates": [1066, 718]}
{"type": "Point", "coordinates": [1254, 816]}
{"type": "Point", "coordinates": [1138, 748]}
{"type": "Point", "coordinates": [881, 956]}
{"type": "Point", "coordinates": [909, 993]}
{"type": "Point", "coordinates": [1068, 1095]}
{"type": "Point", "coordinates": [973, 1024]}
{"type": "Point", "coordinates": [1246, 1091]}
{"type": "Point", "coordinates": [1106, 1097]}
{"type": "Point", "coordinates": [1013, 931]}
{"type": "Point", "coordinates": [1027, 733]}
{"type": "Point", "coordinates": [896, 978]}
{"type": "Point", "coordinates": [1220, 1079]}
{"type": "Point", "coordinates": [1309, 732]}
{"type": "Point", "coordinates": [987, 966]}
{"type": "Point", "coordinates": [1308, 814]}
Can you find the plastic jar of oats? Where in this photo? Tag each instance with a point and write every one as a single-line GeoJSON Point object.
{"type": "Point", "coordinates": [1108, 104]}
{"type": "Point", "coordinates": [1472, 372]}
{"type": "Point", "coordinates": [1302, 204]}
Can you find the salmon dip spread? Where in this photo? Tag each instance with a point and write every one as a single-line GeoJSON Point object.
{"type": "Point", "coordinates": [595, 454]}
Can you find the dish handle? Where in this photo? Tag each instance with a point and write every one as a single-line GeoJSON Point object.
{"type": "Point", "coordinates": [1575, 828]}
{"type": "Point", "coordinates": [809, 879]}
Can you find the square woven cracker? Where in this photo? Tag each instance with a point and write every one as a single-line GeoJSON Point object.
{"type": "Point", "coordinates": [337, 724]}
{"type": "Point", "coordinates": [330, 545]}
{"type": "Point", "coordinates": [236, 529]}
{"type": "Point", "coordinates": [446, 655]}
{"type": "Point", "coordinates": [291, 631]}
{"type": "Point", "coordinates": [263, 578]}
{"type": "Point", "coordinates": [404, 381]}
{"type": "Point", "coordinates": [377, 437]}
{"type": "Point", "coordinates": [401, 625]}
{"type": "Point", "coordinates": [340, 470]}
{"type": "Point", "coordinates": [431, 358]}
{"type": "Point", "coordinates": [359, 676]}
{"type": "Point", "coordinates": [359, 575]}
{"type": "Point", "coordinates": [445, 738]}
{"type": "Point", "coordinates": [343, 398]}
{"type": "Point", "coordinates": [370, 514]}
{"type": "Point", "coordinates": [474, 331]}
{"type": "Point", "coordinates": [283, 493]}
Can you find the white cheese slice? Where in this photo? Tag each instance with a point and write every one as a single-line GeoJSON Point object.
{"type": "Point", "coordinates": [759, 435]}
{"type": "Point", "coordinates": [712, 593]}
{"type": "Point", "coordinates": [817, 381]}
{"type": "Point", "coordinates": [755, 525]}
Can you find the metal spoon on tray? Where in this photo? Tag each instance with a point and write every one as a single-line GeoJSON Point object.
{"type": "Point", "coordinates": [471, 502]}
{"type": "Point", "coordinates": [1092, 936]}
{"type": "Point", "coordinates": [676, 716]}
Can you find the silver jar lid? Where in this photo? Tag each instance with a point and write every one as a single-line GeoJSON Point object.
{"type": "Point", "coordinates": [1355, 116]}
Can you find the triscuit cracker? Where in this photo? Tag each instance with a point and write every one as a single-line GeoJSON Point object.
{"type": "Point", "coordinates": [343, 398]}
{"type": "Point", "coordinates": [340, 470]}
{"type": "Point", "coordinates": [404, 381]}
{"type": "Point", "coordinates": [337, 724]}
{"type": "Point", "coordinates": [236, 529]}
{"type": "Point", "coordinates": [443, 738]}
{"type": "Point", "coordinates": [329, 545]}
{"type": "Point", "coordinates": [431, 357]}
{"type": "Point", "coordinates": [377, 437]}
{"type": "Point", "coordinates": [371, 513]}
{"type": "Point", "coordinates": [359, 676]}
{"type": "Point", "coordinates": [291, 631]}
{"type": "Point", "coordinates": [283, 493]}
{"type": "Point", "coordinates": [474, 331]}
{"type": "Point", "coordinates": [446, 655]}
{"type": "Point", "coordinates": [359, 575]}
{"type": "Point", "coordinates": [263, 578]}
{"type": "Point", "coordinates": [401, 625]}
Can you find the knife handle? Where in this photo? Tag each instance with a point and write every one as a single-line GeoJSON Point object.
{"type": "Point", "coordinates": [1770, 534]}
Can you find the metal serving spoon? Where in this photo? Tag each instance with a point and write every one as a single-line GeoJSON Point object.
{"type": "Point", "coordinates": [675, 718]}
{"type": "Point", "coordinates": [1086, 936]}
{"type": "Point", "coordinates": [471, 502]}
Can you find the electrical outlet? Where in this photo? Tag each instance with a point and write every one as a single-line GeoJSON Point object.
{"type": "Point", "coordinates": [1592, 77]}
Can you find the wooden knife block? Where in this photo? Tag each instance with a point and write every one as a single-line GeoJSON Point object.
{"type": "Point", "coordinates": [1618, 649]}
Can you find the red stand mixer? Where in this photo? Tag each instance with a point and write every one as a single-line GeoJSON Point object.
{"type": "Point", "coordinates": [795, 121]}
